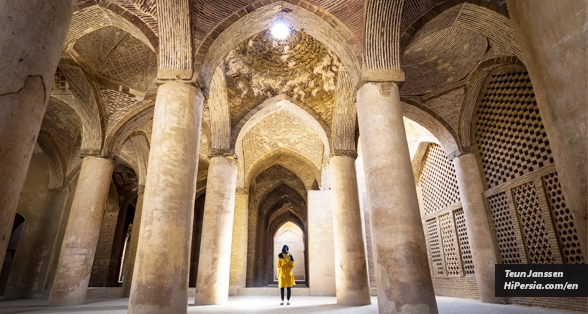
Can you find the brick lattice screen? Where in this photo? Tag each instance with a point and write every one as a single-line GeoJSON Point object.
{"type": "Point", "coordinates": [435, 247]}
{"type": "Point", "coordinates": [464, 244]}
{"type": "Point", "coordinates": [509, 130]}
{"type": "Point", "coordinates": [564, 223]}
{"type": "Point", "coordinates": [536, 238]}
{"type": "Point", "coordinates": [438, 180]}
{"type": "Point", "coordinates": [450, 245]}
{"type": "Point", "coordinates": [505, 233]}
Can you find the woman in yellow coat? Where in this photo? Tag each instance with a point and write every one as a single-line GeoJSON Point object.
{"type": "Point", "coordinates": [285, 276]}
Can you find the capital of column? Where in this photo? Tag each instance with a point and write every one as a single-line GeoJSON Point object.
{"type": "Point", "coordinates": [90, 152]}
{"type": "Point", "coordinates": [98, 157]}
{"type": "Point", "coordinates": [347, 153]}
{"type": "Point", "coordinates": [459, 152]}
{"type": "Point", "coordinates": [217, 151]}
{"type": "Point", "coordinates": [382, 75]}
{"type": "Point", "coordinates": [227, 156]}
{"type": "Point", "coordinates": [191, 80]}
{"type": "Point", "coordinates": [96, 153]}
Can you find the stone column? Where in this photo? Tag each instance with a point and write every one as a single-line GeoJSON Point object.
{"type": "Point", "coordinates": [131, 253]}
{"type": "Point", "coordinates": [402, 269]}
{"type": "Point", "coordinates": [162, 262]}
{"type": "Point", "coordinates": [238, 274]}
{"type": "Point", "coordinates": [212, 284]}
{"type": "Point", "coordinates": [351, 279]}
{"type": "Point", "coordinates": [32, 35]}
{"type": "Point", "coordinates": [479, 235]}
{"type": "Point", "coordinates": [82, 232]}
{"type": "Point", "coordinates": [552, 36]}
{"type": "Point", "coordinates": [321, 268]}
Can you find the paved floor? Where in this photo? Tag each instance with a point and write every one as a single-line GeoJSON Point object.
{"type": "Point", "coordinates": [267, 304]}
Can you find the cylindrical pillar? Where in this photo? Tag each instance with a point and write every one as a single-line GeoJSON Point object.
{"type": "Point", "coordinates": [238, 275]}
{"type": "Point", "coordinates": [212, 285]}
{"type": "Point", "coordinates": [82, 232]}
{"type": "Point", "coordinates": [479, 235]}
{"type": "Point", "coordinates": [351, 279]}
{"type": "Point", "coordinates": [162, 262]}
{"type": "Point", "coordinates": [556, 56]}
{"type": "Point", "coordinates": [400, 256]}
{"type": "Point", "coordinates": [131, 251]}
{"type": "Point", "coordinates": [32, 35]}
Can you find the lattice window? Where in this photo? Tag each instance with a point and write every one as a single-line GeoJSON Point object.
{"type": "Point", "coordinates": [450, 246]}
{"type": "Point", "coordinates": [509, 131]}
{"type": "Point", "coordinates": [564, 222]}
{"type": "Point", "coordinates": [464, 242]}
{"type": "Point", "coordinates": [505, 233]}
{"type": "Point", "coordinates": [435, 247]}
{"type": "Point", "coordinates": [438, 180]}
{"type": "Point", "coordinates": [527, 203]}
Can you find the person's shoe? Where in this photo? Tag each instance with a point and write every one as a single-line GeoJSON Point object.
{"type": "Point", "coordinates": [282, 303]}
{"type": "Point", "coordinates": [288, 303]}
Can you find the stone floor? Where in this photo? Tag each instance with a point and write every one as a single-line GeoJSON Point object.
{"type": "Point", "coordinates": [268, 304]}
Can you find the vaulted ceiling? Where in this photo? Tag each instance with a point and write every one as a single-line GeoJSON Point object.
{"type": "Point", "coordinates": [288, 102]}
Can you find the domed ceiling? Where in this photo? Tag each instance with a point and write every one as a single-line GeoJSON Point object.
{"type": "Point", "coordinates": [441, 54]}
{"type": "Point", "coordinates": [299, 66]}
{"type": "Point", "coordinates": [119, 57]}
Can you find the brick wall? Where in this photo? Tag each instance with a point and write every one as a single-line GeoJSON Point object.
{"type": "Point", "coordinates": [459, 287]}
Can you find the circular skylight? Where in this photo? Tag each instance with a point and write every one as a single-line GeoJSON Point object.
{"type": "Point", "coordinates": [280, 30]}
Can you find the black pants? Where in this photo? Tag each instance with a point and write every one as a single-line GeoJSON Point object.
{"type": "Point", "coordinates": [282, 292]}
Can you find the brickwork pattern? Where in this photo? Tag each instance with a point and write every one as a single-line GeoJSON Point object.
{"type": "Point", "coordinates": [509, 130]}
{"type": "Point", "coordinates": [464, 243]}
{"type": "Point", "coordinates": [505, 233]}
{"type": "Point", "coordinates": [145, 10]}
{"type": "Point", "coordinates": [458, 287]}
{"type": "Point", "coordinates": [59, 83]}
{"type": "Point", "coordinates": [536, 240]}
{"type": "Point", "coordinates": [563, 220]}
{"type": "Point", "coordinates": [437, 59]}
{"type": "Point", "coordinates": [450, 245]}
{"type": "Point", "coordinates": [438, 180]}
{"type": "Point", "coordinates": [282, 129]}
{"type": "Point", "coordinates": [301, 67]}
{"type": "Point", "coordinates": [117, 105]}
{"type": "Point", "coordinates": [438, 267]}
{"type": "Point", "coordinates": [574, 304]}
{"type": "Point", "coordinates": [119, 56]}
{"type": "Point", "coordinates": [382, 33]}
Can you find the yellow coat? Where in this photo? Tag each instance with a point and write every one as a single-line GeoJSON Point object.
{"type": "Point", "coordinates": [285, 276]}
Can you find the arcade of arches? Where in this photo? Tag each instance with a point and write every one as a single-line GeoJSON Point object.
{"type": "Point", "coordinates": [401, 148]}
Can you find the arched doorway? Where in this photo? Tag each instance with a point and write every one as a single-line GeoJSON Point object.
{"type": "Point", "coordinates": [290, 234]}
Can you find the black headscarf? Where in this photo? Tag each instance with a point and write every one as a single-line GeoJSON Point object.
{"type": "Point", "coordinates": [285, 250]}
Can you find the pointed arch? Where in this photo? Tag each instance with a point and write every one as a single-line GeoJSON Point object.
{"type": "Point", "coordinates": [274, 107]}
{"type": "Point", "coordinates": [125, 127]}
